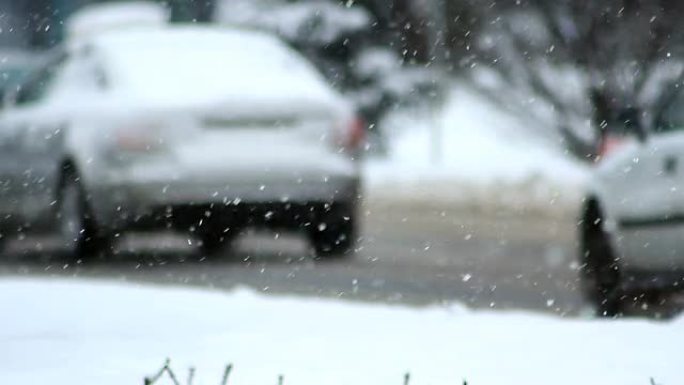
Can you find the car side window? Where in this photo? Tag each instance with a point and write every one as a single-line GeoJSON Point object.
{"type": "Point", "coordinates": [35, 87]}
{"type": "Point", "coordinates": [82, 74]}
{"type": "Point", "coordinates": [672, 117]}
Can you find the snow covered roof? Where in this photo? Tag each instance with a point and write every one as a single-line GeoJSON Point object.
{"type": "Point", "coordinates": [372, 62]}
{"type": "Point", "coordinates": [202, 64]}
{"type": "Point", "coordinates": [99, 18]}
{"type": "Point", "coordinates": [318, 22]}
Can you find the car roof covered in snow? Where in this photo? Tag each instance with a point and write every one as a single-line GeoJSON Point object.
{"type": "Point", "coordinates": [188, 63]}
{"type": "Point", "coordinates": [99, 18]}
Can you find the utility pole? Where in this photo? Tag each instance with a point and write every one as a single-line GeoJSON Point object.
{"type": "Point", "coordinates": [436, 40]}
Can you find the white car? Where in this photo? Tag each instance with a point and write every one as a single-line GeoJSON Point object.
{"type": "Point", "coordinates": [632, 225]}
{"type": "Point", "coordinates": [184, 127]}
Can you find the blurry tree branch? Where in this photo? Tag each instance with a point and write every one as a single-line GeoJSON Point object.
{"type": "Point", "coordinates": [628, 52]}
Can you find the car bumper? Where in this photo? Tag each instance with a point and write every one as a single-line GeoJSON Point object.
{"type": "Point", "coordinates": [144, 204]}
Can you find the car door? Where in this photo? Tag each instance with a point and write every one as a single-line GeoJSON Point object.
{"type": "Point", "coordinates": [10, 173]}
{"type": "Point", "coordinates": [640, 199]}
{"type": "Point", "coordinates": [648, 191]}
{"type": "Point", "coordinates": [32, 146]}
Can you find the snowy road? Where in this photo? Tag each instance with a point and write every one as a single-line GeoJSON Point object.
{"type": "Point", "coordinates": [410, 254]}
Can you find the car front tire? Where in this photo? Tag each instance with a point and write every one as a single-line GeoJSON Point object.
{"type": "Point", "coordinates": [600, 275]}
{"type": "Point", "coordinates": [77, 229]}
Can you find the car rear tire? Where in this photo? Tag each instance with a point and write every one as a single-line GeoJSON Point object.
{"type": "Point", "coordinates": [333, 233]}
{"type": "Point", "coordinates": [76, 226]}
{"type": "Point", "coordinates": [216, 239]}
{"type": "Point", "coordinates": [600, 274]}
{"type": "Point", "coordinates": [3, 243]}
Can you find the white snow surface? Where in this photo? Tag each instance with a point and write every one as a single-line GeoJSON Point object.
{"type": "Point", "coordinates": [198, 65]}
{"type": "Point", "coordinates": [320, 22]}
{"type": "Point", "coordinates": [487, 155]}
{"type": "Point", "coordinates": [198, 71]}
{"type": "Point", "coordinates": [57, 331]}
{"type": "Point", "coordinates": [98, 18]}
{"type": "Point", "coordinates": [374, 61]}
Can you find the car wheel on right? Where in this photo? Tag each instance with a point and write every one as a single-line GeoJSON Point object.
{"type": "Point", "coordinates": [609, 288]}
{"type": "Point", "coordinates": [333, 233]}
{"type": "Point", "coordinates": [600, 274]}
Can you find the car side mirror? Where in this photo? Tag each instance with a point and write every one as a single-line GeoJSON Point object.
{"type": "Point", "coordinates": [631, 118]}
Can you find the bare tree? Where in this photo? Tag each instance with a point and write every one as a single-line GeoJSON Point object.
{"type": "Point", "coordinates": [624, 53]}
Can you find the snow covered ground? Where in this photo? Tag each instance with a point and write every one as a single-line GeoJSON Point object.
{"type": "Point", "coordinates": [90, 332]}
{"type": "Point", "coordinates": [486, 157]}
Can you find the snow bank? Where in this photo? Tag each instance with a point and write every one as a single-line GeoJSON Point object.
{"type": "Point", "coordinates": [84, 332]}
{"type": "Point", "coordinates": [472, 152]}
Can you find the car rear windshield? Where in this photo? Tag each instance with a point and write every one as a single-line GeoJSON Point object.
{"type": "Point", "coordinates": [193, 63]}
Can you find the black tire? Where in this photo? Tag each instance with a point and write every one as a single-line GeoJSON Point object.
{"type": "Point", "coordinates": [76, 226]}
{"type": "Point", "coordinates": [600, 273]}
{"type": "Point", "coordinates": [3, 243]}
{"type": "Point", "coordinates": [215, 239]}
{"type": "Point", "coordinates": [333, 232]}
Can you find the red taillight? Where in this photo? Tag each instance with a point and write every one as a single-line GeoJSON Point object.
{"type": "Point", "coordinates": [610, 144]}
{"type": "Point", "coordinates": [128, 141]}
{"type": "Point", "coordinates": [353, 135]}
{"type": "Point", "coordinates": [139, 138]}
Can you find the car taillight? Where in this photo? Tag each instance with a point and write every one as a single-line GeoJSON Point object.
{"type": "Point", "coordinates": [352, 134]}
{"type": "Point", "coordinates": [135, 140]}
{"type": "Point", "coordinates": [609, 144]}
